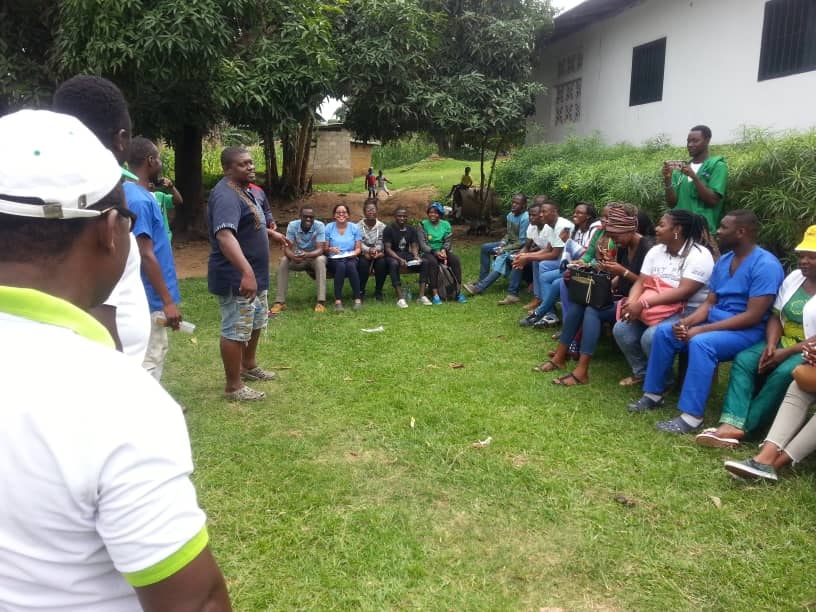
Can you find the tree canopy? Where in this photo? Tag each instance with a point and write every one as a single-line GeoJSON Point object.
{"type": "Point", "coordinates": [459, 70]}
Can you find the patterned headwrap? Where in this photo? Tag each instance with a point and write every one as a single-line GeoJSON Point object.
{"type": "Point", "coordinates": [618, 222]}
{"type": "Point", "coordinates": [438, 207]}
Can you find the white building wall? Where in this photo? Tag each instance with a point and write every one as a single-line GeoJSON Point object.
{"type": "Point", "coordinates": [710, 76]}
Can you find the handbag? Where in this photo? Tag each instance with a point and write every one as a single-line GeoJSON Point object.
{"type": "Point", "coordinates": [590, 287]}
{"type": "Point", "coordinates": [805, 376]}
{"type": "Point", "coordinates": [652, 315]}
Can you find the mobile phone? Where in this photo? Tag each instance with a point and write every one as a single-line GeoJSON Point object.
{"type": "Point", "coordinates": [675, 164]}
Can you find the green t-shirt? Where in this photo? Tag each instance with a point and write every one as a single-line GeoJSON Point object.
{"type": "Point", "coordinates": [589, 256]}
{"type": "Point", "coordinates": [436, 233]}
{"type": "Point", "coordinates": [793, 331]}
{"type": "Point", "coordinates": [714, 174]}
{"type": "Point", "coordinates": [165, 201]}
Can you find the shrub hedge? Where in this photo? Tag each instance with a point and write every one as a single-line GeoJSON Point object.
{"type": "Point", "coordinates": [775, 176]}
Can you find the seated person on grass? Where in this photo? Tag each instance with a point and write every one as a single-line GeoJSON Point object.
{"type": "Point", "coordinates": [792, 436]}
{"type": "Point", "coordinates": [680, 266]}
{"type": "Point", "coordinates": [306, 243]}
{"type": "Point", "coordinates": [547, 231]}
{"type": "Point", "coordinates": [625, 269]}
{"type": "Point", "coordinates": [436, 244]}
{"type": "Point", "coordinates": [743, 286]}
{"type": "Point", "coordinates": [372, 257]}
{"type": "Point", "coordinates": [504, 251]}
{"type": "Point", "coordinates": [761, 373]}
{"type": "Point", "coordinates": [343, 246]}
{"type": "Point", "coordinates": [401, 245]}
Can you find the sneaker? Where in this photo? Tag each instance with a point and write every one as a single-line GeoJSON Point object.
{"type": "Point", "coordinates": [277, 307]}
{"type": "Point", "coordinates": [436, 301]}
{"type": "Point", "coordinates": [424, 301]}
{"type": "Point", "coordinates": [675, 426]}
{"type": "Point", "coordinates": [645, 404]}
{"type": "Point", "coordinates": [509, 299]}
{"type": "Point", "coordinates": [357, 306]}
{"type": "Point", "coordinates": [751, 469]}
{"type": "Point", "coordinates": [319, 308]}
{"type": "Point", "coordinates": [338, 308]}
{"type": "Point", "coordinates": [551, 319]}
{"type": "Point", "coordinates": [471, 288]}
{"type": "Point", "coordinates": [401, 303]}
{"type": "Point", "coordinates": [244, 394]}
{"type": "Point", "coordinates": [530, 320]}
{"type": "Point", "coordinates": [378, 297]}
{"type": "Point", "coordinates": [258, 373]}
{"type": "Point", "coordinates": [461, 298]}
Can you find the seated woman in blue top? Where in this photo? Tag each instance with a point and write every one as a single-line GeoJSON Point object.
{"type": "Point", "coordinates": [343, 245]}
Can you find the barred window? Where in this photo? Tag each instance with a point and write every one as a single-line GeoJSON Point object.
{"type": "Point", "coordinates": [568, 102]}
{"type": "Point", "coordinates": [648, 62]}
{"type": "Point", "coordinates": [788, 38]}
{"type": "Point", "coordinates": [569, 64]}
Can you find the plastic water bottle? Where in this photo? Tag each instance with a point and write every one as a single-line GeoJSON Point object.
{"type": "Point", "coordinates": [184, 326]}
{"type": "Point", "coordinates": [408, 295]}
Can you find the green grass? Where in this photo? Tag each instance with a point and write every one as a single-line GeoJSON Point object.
{"type": "Point", "coordinates": [324, 496]}
{"type": "Point", "coordinates": [439, 173]}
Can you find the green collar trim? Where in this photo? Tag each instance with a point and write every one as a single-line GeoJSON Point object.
{"type": "Point", "coordinates": [43, 308]}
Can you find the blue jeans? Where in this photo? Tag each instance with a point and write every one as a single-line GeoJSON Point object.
{"type": "Point", "coordinates": [485, 254]}
{"type": "Point", "coordinates": [566, 305]}
{"type": "Point", "coordinates": [549, 282]}
{"type": "Point", "coordinates": [635, 341]}
{"type": "Point", "coordinates": [590, 319]}
{"type": "Point", "coordinates": [705, 351]}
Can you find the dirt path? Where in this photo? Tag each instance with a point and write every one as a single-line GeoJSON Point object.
{"type": "Point", "coordinates": [191, 257]}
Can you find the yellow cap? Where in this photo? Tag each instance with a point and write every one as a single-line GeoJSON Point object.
{"type": "Point", "coordinates": [808, 241]}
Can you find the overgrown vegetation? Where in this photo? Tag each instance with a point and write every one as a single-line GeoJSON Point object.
{"type": "Point", "coordinates": [402, 152]}
{"type": "Point", "coordinates": [775, 176]}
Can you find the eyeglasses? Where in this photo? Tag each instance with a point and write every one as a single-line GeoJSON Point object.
{"type": "Point", "coordinates": [123, 212]}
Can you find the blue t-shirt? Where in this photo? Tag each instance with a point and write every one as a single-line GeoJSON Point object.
{"type": "Point", "coordinates": [306, 241]}
{"type": "Point", "coordinates": [229, 212]}
{"type": "Point", "coordinates": [759, 274]}
{"type": "Point", "coordinates": [346, 241]}
{"type": "Point", "coordinates": [150, 223]}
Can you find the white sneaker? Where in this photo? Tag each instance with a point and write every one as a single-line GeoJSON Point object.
{"type": "Point", "coordinates": [424, 301]}
{"type": "Point", "coordinates": [401, 303]}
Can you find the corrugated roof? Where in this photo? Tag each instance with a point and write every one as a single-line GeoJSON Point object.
{"type": "Point", "coordinates": [585, 14]}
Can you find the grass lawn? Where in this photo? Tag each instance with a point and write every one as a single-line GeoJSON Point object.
{"type": "Point", "coordinates": [425, 173]}
{"type": "Point", "coordinates": [355, 485]}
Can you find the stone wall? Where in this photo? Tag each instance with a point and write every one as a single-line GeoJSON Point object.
{"type": "Point", "coordinates": [361, 158]}
{"type": "Point", "coordinates": [331, 160]}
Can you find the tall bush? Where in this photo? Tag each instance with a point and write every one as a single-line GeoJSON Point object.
{"type": "Point", "coordinates": [775, 176]}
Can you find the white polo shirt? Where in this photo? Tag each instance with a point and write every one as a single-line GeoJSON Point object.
{"type": "Point", "coordinates": [697, 266]}
{"type": "Point", "coordinates": [132, 312]}
{"type": "Point", "coordinates": [96, 464]}
{"type": "Point", "coordinates": [549, 235]}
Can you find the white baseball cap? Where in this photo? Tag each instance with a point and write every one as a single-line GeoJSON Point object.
{"type": "Point", "coordinates": [52, 166]}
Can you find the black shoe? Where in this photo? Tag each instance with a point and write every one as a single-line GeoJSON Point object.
{"type": "Point", "coordinates": [645, 404]}
{"type": "Point", "coordinates": [529, 320]}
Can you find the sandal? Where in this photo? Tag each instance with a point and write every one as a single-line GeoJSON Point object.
{"type": "Point", "coordinates": [244, 394]}
{"type": "Point", "coordinates": [631, 381]}
{"type": "Point", "coordinates": [563, 380]}
{"type": "Point", "coordinates": [258, 373]}
{"type": "Point", "coordinates": [547, 366]}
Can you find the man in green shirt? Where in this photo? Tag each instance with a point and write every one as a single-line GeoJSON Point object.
{"type": "Point", "coordinates": [697, 185]}
{"type": "Point", "coordinates": [168, 198]}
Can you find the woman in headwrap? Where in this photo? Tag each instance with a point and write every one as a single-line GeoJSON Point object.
{"type": "Point", "coordinates": [435, 243]}
{"type": "Point", "coordinates": [631, 248]}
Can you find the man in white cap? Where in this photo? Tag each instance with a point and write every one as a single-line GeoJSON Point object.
{"type": "Point", "coordinates": [98, 511]}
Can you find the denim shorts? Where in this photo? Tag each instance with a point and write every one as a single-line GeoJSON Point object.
{"type": "Point", "coordinates": [240, 316]}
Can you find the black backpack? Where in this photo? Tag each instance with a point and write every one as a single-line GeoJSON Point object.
{"type": "Point", "coordinates": [446, 283]}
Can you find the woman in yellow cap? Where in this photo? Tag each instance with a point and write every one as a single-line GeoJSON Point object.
{"type": "Point", "coordinates": [792, 324]}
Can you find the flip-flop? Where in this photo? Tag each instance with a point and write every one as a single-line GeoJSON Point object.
{"type": "Point", "coordinates": [562, 380]}
{"type": "Point", "coordinates": [631, 381]}
{"type": "Point", "coordinates": [708, 437]}
{"type": "Point", "coordinates": [547, 366]}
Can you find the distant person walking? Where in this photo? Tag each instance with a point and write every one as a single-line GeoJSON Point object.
{"type": "Point", "coordinates": [381, 184]}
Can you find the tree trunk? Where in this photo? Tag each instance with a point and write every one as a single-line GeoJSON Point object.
{"type": "Point", "coordinates": [190, 218]}
{"type": "Point", "coordinates": [304, 152]}
{"type": "Point", "coordinates": [286, 184]}
{"type": "Point", "coordinates": [482, 192]}
{"type": "Point", "coordinates": [271, 158]}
